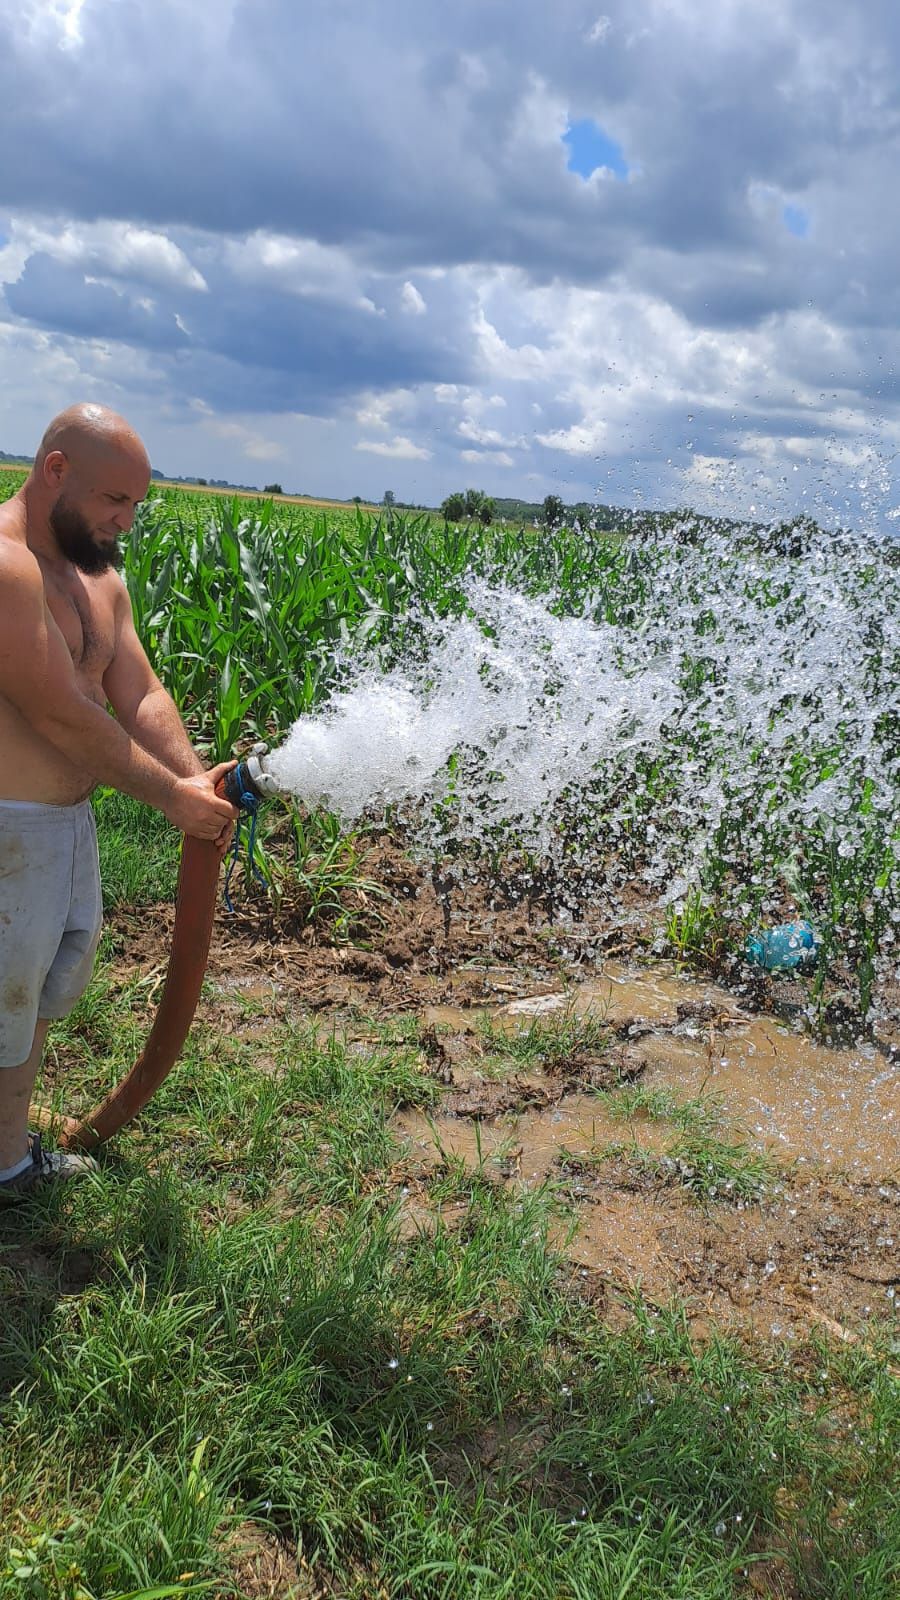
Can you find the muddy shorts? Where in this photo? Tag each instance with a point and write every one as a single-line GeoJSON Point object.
{"type": "Point", "coordinates": [50, 916]}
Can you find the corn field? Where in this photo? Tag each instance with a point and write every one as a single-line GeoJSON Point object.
{"type": "Point", "coordinates": [772, 788]}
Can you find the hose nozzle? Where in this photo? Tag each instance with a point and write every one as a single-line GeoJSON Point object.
{"type": "Point", "coordinates": [248, 783]}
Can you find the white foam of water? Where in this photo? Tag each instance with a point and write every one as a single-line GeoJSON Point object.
{"type": "Point", "coordinates": [531, 702]}
{"type": "Point", "coordinates": [721, 712]}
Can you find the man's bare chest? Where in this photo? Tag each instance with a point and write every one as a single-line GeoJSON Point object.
{"type": "Point", "coordinates": [85, 620]}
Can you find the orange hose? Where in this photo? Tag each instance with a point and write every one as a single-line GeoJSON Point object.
{"type": "Point", "coordinates": [194, 912]}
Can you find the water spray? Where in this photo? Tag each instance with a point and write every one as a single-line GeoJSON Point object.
{"type": "Point", "coordinates": [682, 730]}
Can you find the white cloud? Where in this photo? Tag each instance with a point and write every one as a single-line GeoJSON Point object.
{"type": "Point", "coordinates": [104, 248]}
{"type": "Point", "coordinates": [386, 409]}
{"type": "Point", "coordinates": [398, 449]}
{"type": "Point", "coordinates": [411, 300]}
{"type": "Point", "coordinates": [484, 436]}
{"type": "Point", "coordinates": [499, 458]}
{"type": "Point", "coordinates": [540, 119]}
{"type": "Point", "coordinates": [297, 266]}
{"type": "Point", "coordinates": [57, 18]}
{"type": "Point", "coordinates": [250, 443]}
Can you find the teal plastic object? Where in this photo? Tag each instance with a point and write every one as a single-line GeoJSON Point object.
{"type": "Point", "coordinates": [790, 948]}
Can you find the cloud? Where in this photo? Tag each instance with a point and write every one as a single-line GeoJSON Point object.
{"type": "Point", "coordinates": [498, 458]}
{"type": "Point", "coordinates": [49, 293]}
{"type": "Point", "coordinates": [109, 249]}
{"type": "Point", "coordinates": [246, 439]}
{"type": "Point", "coordinates": [412, 301]}
{"type": "Point", "coordinates": [212, 203]}
{"type": "Point", "coordinates": [598, 30]}
{"type": "Point", "coordinates": [469, 429]}
{"type": "Point", "coordinates": [398, 448]}
{"type": "Point", "coordinates": [274, 262]}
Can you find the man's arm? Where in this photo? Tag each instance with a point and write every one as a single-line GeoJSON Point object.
{"type": "Point", "coordinates": [144, 708]}
{"type": "Point", "coordinates": [38, 678]}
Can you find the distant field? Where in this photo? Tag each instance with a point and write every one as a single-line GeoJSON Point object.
{"type": "Point", "coordinates": [11, 479]}
{"type": "Point", "coordinates": [13, 476]}
{"type": "Point", "coordinates": [260, 494]}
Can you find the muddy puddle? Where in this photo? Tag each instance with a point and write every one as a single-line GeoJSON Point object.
{"type": "Point", "coordinates": [817, 1248]}
{"type": "Point", "coordinates": [830, 1109]}
{"type": "Point", "coordinates": [528, 1145]}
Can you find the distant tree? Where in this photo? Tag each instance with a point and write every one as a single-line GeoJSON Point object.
{"type": "Point", "coordinates": [357, 499]}
{"type": "Point", "coordinates": [553, 512]}
{"type": "Point", "coordinates": [472, 505]}
{"type": "Point", "coordinates": [390, 498]}
{"type": "Point", "coordinates": [202, 482]}
{"type": "Point", "coordinates": [273, 488]}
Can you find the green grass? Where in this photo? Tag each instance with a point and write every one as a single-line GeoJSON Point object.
{"type": "Point", "coordinates": [230, 1326]}
{"type": "Point", "coordinates": [635, 1102]}
{"type": "Point", "coordinates": [695, 931]}
{"type": "Point", "coordinates": [550, 1043]}
{"type": "Point", "coordinates": [139, 851]}
{"type": "Point", "coordinates": [700, 1159]}
{"type": "Point", "coordinates": [710, 1169]}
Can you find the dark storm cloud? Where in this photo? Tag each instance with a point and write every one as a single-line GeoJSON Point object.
{"type": "Point", "coordinates": [421, 150]}
{"type": "Point", "coordinates": [301, 355]}
{"type": "Point", "coordinates": [403, 128]}
{"type": "Point", "coordinates": [56, 296]}
{"type": "Point", "coordinates": [410, 133]}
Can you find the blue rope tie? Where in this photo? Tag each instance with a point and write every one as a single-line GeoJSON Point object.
{"type": "Point", "coordinates": [249, 806]}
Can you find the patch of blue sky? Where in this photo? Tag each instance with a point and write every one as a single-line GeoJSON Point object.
{"type": "Point", "coordinates": [591, 148]}
{"type": "Point", "coordinates": [796, 220]}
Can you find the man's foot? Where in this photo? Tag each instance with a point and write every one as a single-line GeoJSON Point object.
{"type": "Point", "coordinates": [44, 1167]}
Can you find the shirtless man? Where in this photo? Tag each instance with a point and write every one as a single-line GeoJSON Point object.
{"type": "Point", "coordinates": [68, 650]}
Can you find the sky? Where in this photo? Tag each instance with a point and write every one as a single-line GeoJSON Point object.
{"type": "Point", "coordinates": [644, 255]}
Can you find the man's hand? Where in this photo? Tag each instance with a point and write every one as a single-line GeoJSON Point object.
{"type": "Point", "coordinates": [196, 809]}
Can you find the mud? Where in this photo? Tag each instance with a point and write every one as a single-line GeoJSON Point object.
{"type": "Point", "coordinates": [806, 1102]}
{"type": "Point", "coordinates": [819, 1255]}
{"type": "Point", "coordinates": [814, 1254]}
{"type": "Point", "coordinates": [819, 1249]}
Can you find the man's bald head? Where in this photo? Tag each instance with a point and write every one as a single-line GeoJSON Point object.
{"type": "Point", "coordinates": [89, 430]}
{"type": "Point", "coordinates": [90, 472]}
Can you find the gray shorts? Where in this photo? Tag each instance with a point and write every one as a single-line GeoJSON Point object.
{"type": "Point", "coordinates": [50, 915]}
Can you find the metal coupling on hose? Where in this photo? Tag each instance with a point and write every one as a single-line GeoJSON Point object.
{"type": "Point", "coordinates": [248, 783]}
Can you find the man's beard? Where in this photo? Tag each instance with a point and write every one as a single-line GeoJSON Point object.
{"type": "Point", "coordinates": [72, 532]}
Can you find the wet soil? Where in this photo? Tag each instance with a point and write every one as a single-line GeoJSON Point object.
{"type": "Point", "coordinates": [817, 1248]}
{"type": "Point", "coordinates": [423, 943]}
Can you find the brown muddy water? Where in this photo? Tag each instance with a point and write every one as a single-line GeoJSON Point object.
{"type": "Point", "coordinates": [817, 1249]}
{"type": "Point", "coordinates": [835, 1110]}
